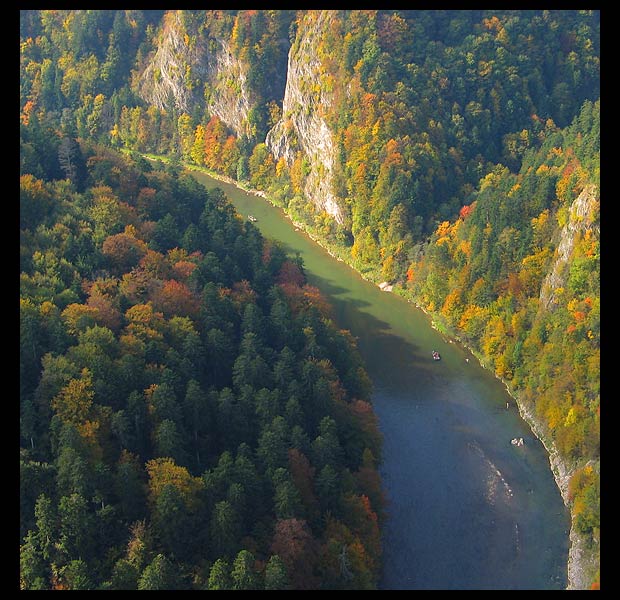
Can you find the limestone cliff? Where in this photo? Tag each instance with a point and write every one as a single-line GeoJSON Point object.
{"type": "Point", "coordinates": [230, 97]}
{"type": "Point", "coordinates": [164, 83]}
{"type": "Point", "coordinates": [302, 126]}
{"type": "Point", "coordinates": [185, 64]}
{"type": "Point", "coordinates": [581, 217]}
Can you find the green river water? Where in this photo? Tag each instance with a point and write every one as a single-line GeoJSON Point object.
{"type": "Point", "coordinates": [466, 509]}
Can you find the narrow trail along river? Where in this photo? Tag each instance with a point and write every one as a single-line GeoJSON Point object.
{"type": "Point", "coordinates": [466, 508]}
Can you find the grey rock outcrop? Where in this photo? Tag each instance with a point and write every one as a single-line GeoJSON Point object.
{"type": "Point", "coordinates": [302, 126]}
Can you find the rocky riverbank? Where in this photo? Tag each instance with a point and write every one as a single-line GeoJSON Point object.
{"type": "Point", "coordinates": [580, 567]}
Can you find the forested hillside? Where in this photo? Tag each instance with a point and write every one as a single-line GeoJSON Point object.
{"type": "Point", "coordinates": [190, 416]}
{"type": "Point", "coordinates": [452, 153]}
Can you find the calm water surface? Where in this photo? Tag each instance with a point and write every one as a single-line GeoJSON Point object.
{"type": "Point", "coordinates": [466, 509]}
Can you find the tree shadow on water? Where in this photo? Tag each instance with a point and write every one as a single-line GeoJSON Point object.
{"type": "Point", "coordinates": [387, 355]}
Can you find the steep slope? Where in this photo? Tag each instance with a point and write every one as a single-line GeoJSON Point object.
{"type": "Point", "coordinates": [582, 213]}
{"type": "Point", "coordinates": [303, 127]}
{"type": "Point", "coordinates": [184, 62]}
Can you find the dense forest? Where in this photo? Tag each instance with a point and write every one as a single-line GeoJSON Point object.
{"type": "Point", "coordinates": [191, 418]}
{"type": "Point", "coordinates": [454, 154]}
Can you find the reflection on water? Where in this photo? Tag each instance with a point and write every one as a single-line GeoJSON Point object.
{"type": "Point", "coordinates": [466, 509]}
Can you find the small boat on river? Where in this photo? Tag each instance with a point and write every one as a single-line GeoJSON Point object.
{"type": "Point", "coordinates": [517, 441]}
{"type": "Point", "coordinates": [436, 355]}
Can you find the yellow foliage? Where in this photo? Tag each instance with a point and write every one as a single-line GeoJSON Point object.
{"type": "Point", "coordinates": [164, 471]}
{"type": "Point", "coordinates": [554, 416]}
{"type": "Point", "coordinates": [280, 167]}
{"type": "Point", "coordinates": [578, 506]}
{"type": "Point", "coordinates": [443, 230]}
{"type": "Point", "coordinates": [571, 417]}
{"type": "Point", "coordinates": [465, 247]}
{"type": "Point", "coordinates": [539, 222]}
{"type": "Point", "coordinates": [451, 303]}
{"type": "Point", "coordinates": [485, 67]}
{"type": "Point", "coordinates": [562, 186]}
{"type": "Point", "coordinates": [488, 180]}
{"type": "Point", "coordinates": [515, 188]}
{"type": "Point", "coordinates": [388, 268]}
{"type": "Point", "coordinates": [73, 403]}
{"type": "Point", "coordinates": [472, 315]}
{"type": "Point", "coordinates": [143, 313]}
{"type": "Point", "coordinates": [502, 367]}
{"type": "Point", "coordinates": [47, 308]}
{"type": "Point", "coordinates": [494, 339]}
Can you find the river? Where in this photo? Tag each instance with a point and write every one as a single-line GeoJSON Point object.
{"type": "Point", "coordinates": [466, 508]}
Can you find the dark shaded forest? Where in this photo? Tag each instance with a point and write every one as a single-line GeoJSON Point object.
{"type": "Point", "coordinates": [191, 418]}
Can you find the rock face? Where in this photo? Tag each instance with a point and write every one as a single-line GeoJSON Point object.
{"type": "Point", "coordinates": [181, 66]}
{"type": "Point", "coordinates": [302, 126]}
{"type": "Point", "coordinates": [164, 81]}
{"type": "Point", "coordinates": [580, 219]}
{"type": "Point", "coordinates": [189, 69]}
{"type": "Point", "coordinates": [230, 96]}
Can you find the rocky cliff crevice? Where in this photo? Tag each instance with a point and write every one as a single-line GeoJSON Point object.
{"type": "Point", "coordinates": [302, 127]}
{"type": "Point", "coordinates": [186, 64]}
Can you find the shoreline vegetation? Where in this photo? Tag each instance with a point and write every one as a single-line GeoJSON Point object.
{"type": "Point", "coordinates": [580, 568]}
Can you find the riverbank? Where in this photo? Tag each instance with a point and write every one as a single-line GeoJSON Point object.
{"type": "Point", "coordinates": [579, 567]}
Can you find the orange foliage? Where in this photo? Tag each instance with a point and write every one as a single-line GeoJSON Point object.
{"type": "Point", "coordinates": [107, 314]}
{"type": "Point", "coordinates": [298, 549]}
{"type": "Point", "coordinates": [25, 116]}
{"type": "Point", "coordinates": [367, 419]}
{"type": "Point", "coordinates": [315, 298]}
{"type": "Point", "coordinates": [290, 273]}
{"type": "Point", "coordinates": [302, 473]}
{"type": "Point", "coordinates": [451, 303]}
{"type": "Point", "coordinates": [123, 250]}
{"type": "Point", "coordinates": [155, 264]}
{"type": "Point", "coordinates": [393, 156]}
{"type": "Point", "coordinates": [466, 211]}
{"type": "Point", "coordinates": [302, 298]}
{"type": "Point", "coordinates": [175, 298]}
{"type": "Point", "coordinates": [363, 521]}
{"type": "Point", "coordinates": [492, 23]}
{"type": "Point", "coordinates": [242, 293]}
{"type": "Point", "coordinates": [369, 481]}
{"type": "Point", "coordinates": [183, 269]}
{"type": "Point", "coordinates": [215, 137]}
